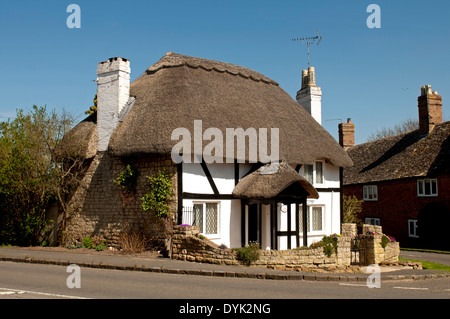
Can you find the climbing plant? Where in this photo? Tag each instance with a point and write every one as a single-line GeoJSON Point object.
{"type": "Point", "coordinates": [158, 194]}
{"type": "Point", "coordinates": [127, 179]}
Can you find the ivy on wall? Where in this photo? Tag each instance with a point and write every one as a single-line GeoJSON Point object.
{"type": "Point", "coordinates": [127, 180]}
{"type": "Point", "coordinates": [158, 194]}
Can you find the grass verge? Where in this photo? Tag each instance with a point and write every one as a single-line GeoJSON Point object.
{"type": "Point", "coordinates": [428, 264]}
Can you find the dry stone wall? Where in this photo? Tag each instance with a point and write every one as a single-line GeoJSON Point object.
{"type": "Point", "coordinates": [188, 245]}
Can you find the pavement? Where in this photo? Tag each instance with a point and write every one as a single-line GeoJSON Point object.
{"type": "Point", "coordinates": [155, 263]}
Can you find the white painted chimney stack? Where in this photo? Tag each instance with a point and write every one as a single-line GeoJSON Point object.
{"type": "Point", "coordinates": [113, 92]}
{"type": "Point", "coordinates": [310, 95]}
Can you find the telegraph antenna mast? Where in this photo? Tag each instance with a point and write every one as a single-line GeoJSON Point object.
{"type": "Point", "coordinates": [309, 40]}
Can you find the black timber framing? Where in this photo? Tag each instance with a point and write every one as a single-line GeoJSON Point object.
{"type": "Point", "coordinates": [179, 193]}
{"type": "Point", "coordinates": [274, 226]}
{"type": "Point", "coordinates": [243, 231]}
{"type": "Point", "coordinates": [209, 177]}
{"type": "Point", "coordinates": [208, 196]}
{"type": "Point", "coordinates": [236, 172]}
{"type": "Point", "coordinates": [289, 226]}
{"type": "Point", "coordinates": [273, 220]}
{"type": "Point", "coordinates": [305, 223]}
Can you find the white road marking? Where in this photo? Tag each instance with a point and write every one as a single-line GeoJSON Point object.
{"type": "Point", "coordinates": [10, 291]}
{"type": "Point", "coordinates": [2, 293]}
{"type": "Point", "coordinates": [411, 288]}
{"type": "Point", "coordinates": [357, 285]}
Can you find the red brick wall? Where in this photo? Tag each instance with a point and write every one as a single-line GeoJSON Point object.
{"type": "Point", "coordinates": [397, 202]}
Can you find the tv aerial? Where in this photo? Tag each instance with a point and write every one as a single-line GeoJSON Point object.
{"type": "Point", "coordinates": [309, 40]}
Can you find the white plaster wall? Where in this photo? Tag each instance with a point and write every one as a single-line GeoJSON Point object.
{"type": "Point", "coordinates": [195, 181]}
{"type": "Point", "coordinates": [229, 221]}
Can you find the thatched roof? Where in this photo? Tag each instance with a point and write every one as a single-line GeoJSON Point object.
{"type": "Point", "coordinates": [265, 184]}
{"type": "Point", "coordinates": [179, 89]}
{"type": "Point", "coordinates": [401, 156]}
{"type": "Point", "coordinates": [81, 141]}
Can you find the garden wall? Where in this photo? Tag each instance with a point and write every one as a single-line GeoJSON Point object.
{"type": "Point", "coordinates": [189, 245]}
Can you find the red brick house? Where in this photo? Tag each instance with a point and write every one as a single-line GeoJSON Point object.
{"type": "Point", "coordinates": [404, 180]}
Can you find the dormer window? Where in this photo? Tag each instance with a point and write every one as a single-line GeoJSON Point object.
{"type": "Point", "coordinates": [314, 173]}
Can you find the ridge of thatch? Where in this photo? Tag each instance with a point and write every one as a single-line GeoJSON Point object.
{"type": "Point", "coordinates": [401, 156]}
{"type": "Point", "coordinates": [179, 89]}
{"type": "Point", "coordinates": [176, 60]}
{"type": "Point", "coordinates": [262, 184]}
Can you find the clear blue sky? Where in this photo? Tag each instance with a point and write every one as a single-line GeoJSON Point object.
{"type": "Point", "coordinates": [371, 75]}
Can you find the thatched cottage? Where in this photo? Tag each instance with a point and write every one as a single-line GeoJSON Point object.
{"type": "Point", "coordinates": [235, 196]}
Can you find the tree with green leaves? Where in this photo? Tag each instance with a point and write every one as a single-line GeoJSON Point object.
{"type": "Point", "coordinates": [92, 108]}
{"type": "Point", "coordinates": [32, 175]}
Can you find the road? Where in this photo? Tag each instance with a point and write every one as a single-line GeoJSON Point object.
{"type": "Point", "coordinates": [20, 281]}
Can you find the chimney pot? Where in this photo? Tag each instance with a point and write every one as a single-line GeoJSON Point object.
{"type": "Point", "coordinates": [310, 95]}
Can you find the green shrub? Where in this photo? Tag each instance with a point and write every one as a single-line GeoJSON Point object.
{"type": "Point", "coordinates": [248, 254]}
{"type": "Point", "coordinates": [87, 242]}
{"type": "Point", "coordinates": [100, 247]}
{"type": "Point", "coordinates": [330, 244]}
{"type": "Point", "coordinates": [385, 240]}
{"type": "Point", "coordinates": [127, 179]}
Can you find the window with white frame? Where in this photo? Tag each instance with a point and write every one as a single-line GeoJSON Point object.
{"type": "Point", "coordinates": [412, 228]}
{"type": "Point", "coordinates": [427, 187]}
{"type": "Point", "coordinates": [319, 172]}
{"type": "Point", "coordinates": [372, 221]}
{"type": "Point", "coordinates": [309, 173]}
{"type": "Point", "coordinates": [370, 192]}
{"type": "Point", "coordinates": [206, 216]}
{"type": "Point", "coordinates": [315, 219]}
{"type": "Point", "coordinates": [314, 173]}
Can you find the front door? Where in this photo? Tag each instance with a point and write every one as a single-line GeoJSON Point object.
{"type": "Point", "coordinates": [253, 223]}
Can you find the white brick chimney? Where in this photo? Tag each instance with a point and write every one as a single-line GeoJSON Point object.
{"type": "Point", "coordinates": [113, 92]}
{"type": "Point", "coordinates": [310, 95]}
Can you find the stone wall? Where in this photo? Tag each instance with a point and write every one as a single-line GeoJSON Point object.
{"type": "Point", "coordinates": [188, 245]}
{"type": "Point", "coordinates": [99, 207]}
{"type": "Point", "coordinates": [375, 253]}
